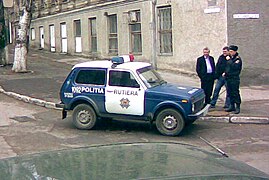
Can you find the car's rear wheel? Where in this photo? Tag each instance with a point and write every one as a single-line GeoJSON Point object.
{"type": "Point", "coordinates": [170, 122]}
{"type": "Point", "coordinates": [84, 117]}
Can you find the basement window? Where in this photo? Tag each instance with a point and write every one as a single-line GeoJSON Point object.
{"type": "Point", "coordinates": [212, 3]}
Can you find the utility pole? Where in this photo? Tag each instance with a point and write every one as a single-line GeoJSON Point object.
{"type": "Point", "coordinates": [154, 35]}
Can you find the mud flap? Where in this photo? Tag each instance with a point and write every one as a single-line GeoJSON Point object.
{"type": "Point", "coordinates": [64, 114]}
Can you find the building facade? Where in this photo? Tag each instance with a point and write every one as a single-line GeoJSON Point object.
{"type": "Point", "coordinates": [168, 33]}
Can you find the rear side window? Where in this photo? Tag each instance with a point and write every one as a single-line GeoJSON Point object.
{"type": "Point", "coordinates": [91, 76]}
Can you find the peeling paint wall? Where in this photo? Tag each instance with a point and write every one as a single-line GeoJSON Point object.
{"type": "Point", "coordinates": [252, 37]}
{"type": "Point", "coordinates": [195, 25]}
{"type": "Point", "coordinates": [193, 29]}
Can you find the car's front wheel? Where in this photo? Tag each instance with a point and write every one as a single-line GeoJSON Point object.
{"type": "Point", "coordinates": [84, 117]}
{"type": "Point", "coordinates": [170, 122]}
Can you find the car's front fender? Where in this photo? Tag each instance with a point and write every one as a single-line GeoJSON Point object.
{"type": "Point", "coordinates": [169, 104]}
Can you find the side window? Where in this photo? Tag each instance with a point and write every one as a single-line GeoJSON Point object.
{"type": "Point", "coordinates": [123, 79]}
{"type": "Point", "coordinates": [96, 77]}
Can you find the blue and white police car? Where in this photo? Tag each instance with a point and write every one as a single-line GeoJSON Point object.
{"type": "Point", "coordinates": [122, 89]}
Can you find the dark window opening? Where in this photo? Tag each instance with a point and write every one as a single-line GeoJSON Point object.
{"type": "Point", "coordinates": [96, 77]}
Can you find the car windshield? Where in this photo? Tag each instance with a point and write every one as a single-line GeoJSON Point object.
{"type": "Point", "coordinates": [150, 77]}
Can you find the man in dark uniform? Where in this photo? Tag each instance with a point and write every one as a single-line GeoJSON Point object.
{"type": "Point", "coordinates": [221, 81]}
{"type": "Point", "coordinates": [205, 68]}
{"type": "Point", "coordinates": [232, 73]}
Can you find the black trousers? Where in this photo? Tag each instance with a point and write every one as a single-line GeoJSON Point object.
{"type": "Point", "coordinates": [207, 84]}
{"type": "Point", "coordinates": [233, 89]}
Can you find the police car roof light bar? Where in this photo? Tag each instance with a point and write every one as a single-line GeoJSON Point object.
{"type": "Point", "coordinates": [122, 59]}
{"type": "Point", "coordinates": [117, 60]}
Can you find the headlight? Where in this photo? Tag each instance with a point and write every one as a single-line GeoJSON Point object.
{"type": "Point", "coordinates": [184, 100]}
{"type": "Point", "coordinates": [193, 107]}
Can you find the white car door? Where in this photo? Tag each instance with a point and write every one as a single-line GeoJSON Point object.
{"type": "Point", "coordinates": [123, 94]}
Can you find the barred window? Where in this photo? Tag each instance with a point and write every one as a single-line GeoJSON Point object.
{"type": "Point", "coordinates": [165, 30]}
{"type": "Point", "coordinates": [135, 31]}
{"type": "Point", "coordinates": [212, 2]}
{"type": "Point", "coordinates": [93, 35]}
{"type": "Point", "coordinates": [113, 34]}
{"type": "Point", "coordinates": [77, 25]}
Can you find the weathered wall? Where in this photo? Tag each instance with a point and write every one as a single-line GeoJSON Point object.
{"type": "Point", "coordinates": [102, 32]}
{"type": "Point", "coordinates": [192, 29]}
{"type": "Point", "coordinates": [252, 37]}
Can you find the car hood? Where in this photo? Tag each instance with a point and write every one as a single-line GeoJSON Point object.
{"type": "Point", "coordinates": [126, 161]}
{"type": "Point", "coordinates": [176, 90]}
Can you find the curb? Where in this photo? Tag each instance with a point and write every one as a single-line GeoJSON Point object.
{"type": "Point", "coordinates": [237, 120]}
{"type": "Point", "coordinates": [27, 99]}
{"type": "Point", "coordinates": [249, 120]}
{"type": "Point", "coordinates": [229, 119]}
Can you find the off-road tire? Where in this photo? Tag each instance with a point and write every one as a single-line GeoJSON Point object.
{"type": "Point", "coordinates": [170, 122]}
{"type": "Point", "coordinates": [84, 116]}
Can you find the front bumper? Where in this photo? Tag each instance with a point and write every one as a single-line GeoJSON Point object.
{"type": "Point", "coordinates": [202, 112]}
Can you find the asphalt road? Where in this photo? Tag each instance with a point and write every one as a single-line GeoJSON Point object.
{"type": "Point", "coordinates": [26, 129]}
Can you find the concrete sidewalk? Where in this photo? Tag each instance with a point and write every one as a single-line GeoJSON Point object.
{"type": "Point", "coordinates": [49, 70]}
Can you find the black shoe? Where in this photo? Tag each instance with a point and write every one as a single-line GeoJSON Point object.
{"type": "Point", "coordinates": [230, 109]}
{"type": "Point", "coordinates": [225, 107]}
{"type": "Point", "coordinates": [237, 111]}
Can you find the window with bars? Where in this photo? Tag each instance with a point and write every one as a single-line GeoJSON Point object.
{"type": "Point", "coordinates": [77, 25]}
{"type": "Point", "coordinates": [135, 33]}
{"type": "Point", "coordinates": [93, 35]}
{"type": "Point", "coordinates": [113, 34]}
{"type": "Point", "coordinates": [212, 2]}
{"type": "Point", "coordinates": [165, 30]}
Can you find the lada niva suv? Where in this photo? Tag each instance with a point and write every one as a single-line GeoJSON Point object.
{"type": "Point", "coordinates": [121, 89]}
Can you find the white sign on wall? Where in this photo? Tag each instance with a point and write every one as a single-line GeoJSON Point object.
{"type": "Point", "coordinates": [246, 16]}
{"type": "Point", "coordinates": [211, 10]}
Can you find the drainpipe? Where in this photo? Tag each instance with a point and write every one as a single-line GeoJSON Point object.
{"type": "Point", "coordinates": [154, 34]}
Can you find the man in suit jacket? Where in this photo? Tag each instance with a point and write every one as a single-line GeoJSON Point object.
{"type": "Point", "coordinates": [205, 68]}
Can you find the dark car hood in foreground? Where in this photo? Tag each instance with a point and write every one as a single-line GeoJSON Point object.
{"type": "Point", "coordinates": [127, 161]}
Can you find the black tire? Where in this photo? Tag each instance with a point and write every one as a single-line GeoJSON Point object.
{"type": "Point", "coordinates": [170, 122]}
{"type": "Point", "coordinates": [84, 117]}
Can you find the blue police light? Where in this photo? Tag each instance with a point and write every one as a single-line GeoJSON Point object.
{"type": "Point", "coordinates": [117, 60]}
